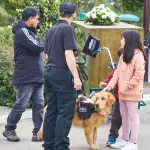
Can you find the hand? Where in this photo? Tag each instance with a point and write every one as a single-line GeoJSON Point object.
{"type": "Point", "coordinates": [107, 88]}
{"type": "Point", "coordinates": [102, 84]}
{"type": "Point", "coordinates": [14, 63]}
{"type": "Point", "coordinates": [77, 83]}
{"type": "Point", "coordinates": [77, 59]}
{"type": "Point", "coordinates": [46, 56]}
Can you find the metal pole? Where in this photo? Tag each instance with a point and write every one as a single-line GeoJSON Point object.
{"type": "Point", "coordinates": [105, 48]}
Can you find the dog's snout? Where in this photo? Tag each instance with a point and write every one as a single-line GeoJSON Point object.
{"type": "Point", "coordinates": [97, 105]}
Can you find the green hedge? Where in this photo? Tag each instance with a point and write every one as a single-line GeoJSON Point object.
{"type": "Point", "coordinates": [7, 90]}
{"type": "Point", "coordinates": [4, 17]}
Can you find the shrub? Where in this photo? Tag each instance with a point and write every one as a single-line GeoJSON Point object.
{"type": "Point", "coordinates": [3, 17]}
{"type": "Point", "coordinates": [7, 90]}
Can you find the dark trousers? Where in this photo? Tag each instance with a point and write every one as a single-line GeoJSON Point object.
{"type": "Point", "coordinates": [24, 93]}
{"type": "Point", "coordinates": [116, 122]}
{"type": "Point", "coordinates": [60, 110]}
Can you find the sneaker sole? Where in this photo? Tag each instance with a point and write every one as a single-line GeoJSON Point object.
{"type": "Point", "coordinates": [116, 147]}
{"type": "Point", "coordinates": [10, 140]}
{"type": "Point", "coordinates": [4, 135]}
{"type": "Point", "coordinates": [36, 140]}
{"type": "Point", "coordinates": [108, 145]}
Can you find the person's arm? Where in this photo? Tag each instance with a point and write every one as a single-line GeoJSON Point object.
{"type": "Point", "coordinates": [139, 71]}
{"type": "Point", "coordinates": [113, 80]}
{"type": "Point", "coordinates": [106, 81]}
{"type": "Point", "coordinates": [69, 47]}
{"type": "Point", "coordinates": [108, 78]}
{"type": "Point", "coordinates": [29, 42]}
{"type": "Point", "coordinates": [71, 62]}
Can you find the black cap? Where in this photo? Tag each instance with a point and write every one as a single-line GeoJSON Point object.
{"type": "Point", "coordinates": [67, 8]}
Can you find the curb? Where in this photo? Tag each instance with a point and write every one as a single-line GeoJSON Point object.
{"type": "Point", "coordinates": [25, 115]}
{"type": "Point", "coordinates": [28, 114]}
{"type": "Point", "coordinates": [146, 97]}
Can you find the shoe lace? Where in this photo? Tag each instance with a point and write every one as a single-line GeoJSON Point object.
{"type": "Point", "coordinates": [111, 139]}
{"type": "Point", "coordinates": [12, 132]}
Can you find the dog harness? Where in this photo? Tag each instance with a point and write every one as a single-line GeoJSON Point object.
{"type": "Point", "coordinates": [85, 109]}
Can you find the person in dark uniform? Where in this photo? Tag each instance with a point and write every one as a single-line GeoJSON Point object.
{"type": "Point", "coordinates": [61, 80]}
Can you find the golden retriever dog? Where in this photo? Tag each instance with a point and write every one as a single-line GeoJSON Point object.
{"type": "Point", "coordinates": [103, 101]}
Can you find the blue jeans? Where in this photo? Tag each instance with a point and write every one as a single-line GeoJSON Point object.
{"type": "Point", "coordinates": [24, 93]}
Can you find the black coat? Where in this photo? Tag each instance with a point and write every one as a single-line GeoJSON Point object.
{"type": "Point", "coordinates": [29, 64]}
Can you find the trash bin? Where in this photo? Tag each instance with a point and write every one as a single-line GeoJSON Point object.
{"type": "Point", "coordinates": [82, 16]}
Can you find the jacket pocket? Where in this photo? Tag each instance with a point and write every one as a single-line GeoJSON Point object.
{"type": "Point", "coordinates": [132, 92]}
{"type": "Point", "coordinates": [123, 87]}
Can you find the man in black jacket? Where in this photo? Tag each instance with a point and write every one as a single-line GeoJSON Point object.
{"type": "Point", "coordinates": [28, 74]}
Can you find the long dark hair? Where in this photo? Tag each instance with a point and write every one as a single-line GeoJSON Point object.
{"type": "Point", "coordinates": [132, 42]}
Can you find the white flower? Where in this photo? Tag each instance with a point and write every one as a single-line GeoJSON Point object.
{"type": "Point", "coordinates": [112, 18]}
{"type": "Point", "coordinates": [108, 9]}
{"type": "Point", "coordinates": [101, 6]}
{"type": "Point", "coordinates": [107, 14]}
{"type": "Point", "coordinates": [104, 16]}
{"type": "Point", "coordinates": [88, 15]}
{"type": "Point", "coordinates": [102, 13]}
{"type": "Point", "coordinates": [94, 15]}
{"type": "Point", "coordinates": [99, 13]}
{"type": "Point", "coordinates": [94, 10]}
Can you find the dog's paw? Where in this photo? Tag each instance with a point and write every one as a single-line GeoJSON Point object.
{"type": "Point", "coordinates": [94, 147]}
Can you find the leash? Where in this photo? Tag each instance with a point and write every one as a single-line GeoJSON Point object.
{"type": "Point", "coordinates": [80, 61]}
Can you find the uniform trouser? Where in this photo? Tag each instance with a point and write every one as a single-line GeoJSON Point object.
{"type": "Point", "coordinates": [116, 121]}
{"type": "Point", "coordinates": [24, 93]}
{"type": "Point", "coordinates": [60, 110]}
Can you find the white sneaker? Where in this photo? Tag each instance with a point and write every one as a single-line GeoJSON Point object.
{"type": "Point", "coordinates": [119, 144]}
{"type": "Point", "coordinates": [130, 146]}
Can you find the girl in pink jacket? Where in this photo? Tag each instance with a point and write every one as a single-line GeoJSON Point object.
{"type": "Point", "coordinates": [130, 77]}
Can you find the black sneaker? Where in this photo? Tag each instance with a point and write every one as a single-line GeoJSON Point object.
{"type": "Point", "coordinates": [35, 139]}
{"type": "Point", "coordinates": [11, 136]}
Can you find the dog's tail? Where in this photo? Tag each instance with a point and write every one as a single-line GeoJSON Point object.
{"type": "Point", "coordinates": [40, 133]}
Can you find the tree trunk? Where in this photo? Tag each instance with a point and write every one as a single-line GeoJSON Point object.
{"type": "Point", "coordinates": [146, 20]}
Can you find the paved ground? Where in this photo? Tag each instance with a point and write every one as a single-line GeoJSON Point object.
{"type": "Point", "coordinates": [76, 135]}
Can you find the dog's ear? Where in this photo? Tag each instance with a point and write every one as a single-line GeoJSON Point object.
{"type": "Point", "coordinates": [94, 99]}
{"type": "Point", "coordinates": [111, 99]}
